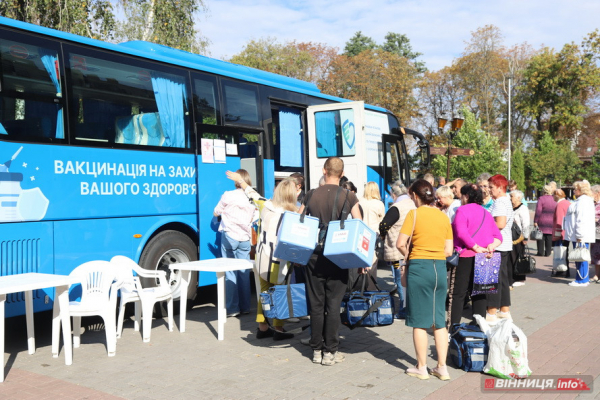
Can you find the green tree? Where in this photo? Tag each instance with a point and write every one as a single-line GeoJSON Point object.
{"type": "Point", "coordinates": [400, 44]}
{"type": "Point", "coordinates": [517, 166]}
{"type": "Point", "coordinates": [93, 18]}
{"type": "Point", "coordinates": [396, 43]}
{"type": "Point", "coordinates": [359, 43]}
{"type": "Point", "coordinates": [591, 169]}
{"type": "Point", "coordinates": [551, 160]}
{"type": "Point", "coordinates": [557, 86]}
{"type": "Point", "coordinates": [487, 157]}
{"type": "Point", "coordinates": [166, 22]}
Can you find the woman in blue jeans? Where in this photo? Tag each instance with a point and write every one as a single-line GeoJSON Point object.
{"type": "Point", "coordinates": [237, 214]}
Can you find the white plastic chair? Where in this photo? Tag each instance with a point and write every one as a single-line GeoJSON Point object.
{"type": "Point", "coordinates": [132, 291]}
{"type": "Point", "coordinates": [99, 287]}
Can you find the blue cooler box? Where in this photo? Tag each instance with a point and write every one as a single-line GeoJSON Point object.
{"type": "Point", "coordinates": [351, 247]}
{"type": "Point", "coordinates": [296, 240]}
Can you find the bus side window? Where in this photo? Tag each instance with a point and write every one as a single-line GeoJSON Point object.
{"type": "Point", "coordinates": [128, 102]}
{"type": "Point", "coordinates": [31, 98]}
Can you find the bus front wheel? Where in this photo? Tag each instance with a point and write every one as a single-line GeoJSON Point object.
{"type": "Point", "coordinates": [166, 248]}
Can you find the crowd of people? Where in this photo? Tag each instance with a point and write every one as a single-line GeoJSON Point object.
{"type": "Point", "coordinates": [423, 226]}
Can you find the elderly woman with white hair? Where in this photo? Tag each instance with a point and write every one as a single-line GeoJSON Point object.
{"type": "Point", "coordinates": [389, 229]}
{"type": "Point", "coordinates": [446, 201]}
{"type": "Point", "coordinates": [522, 219]}
{"type": "Point", "coordinates": [595, 250]}
{"type": "Point", "coordinates": [544, 219]}
{"type": "Point", "coordinates": [580, 227]}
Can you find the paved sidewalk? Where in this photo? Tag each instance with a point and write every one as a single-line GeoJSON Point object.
{"type": "Point", "coordinates": [560, 322]}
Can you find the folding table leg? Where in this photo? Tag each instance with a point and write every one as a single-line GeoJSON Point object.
{"type": "Point", "coordinates": [222, 312]}
{"type": "Point", "coordinates": [55, 325]}
{"type": "Point", "coordinates": [186, 276]}
{"type": "Point", "coordinates": [2, 300]}
{"type": "Point", "coordinates": [62, 294]}
{"type": "Point", "coordinates": [29, 318]}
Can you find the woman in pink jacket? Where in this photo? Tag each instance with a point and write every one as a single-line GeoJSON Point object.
{"type": "Point", "coordinates": [474, 232]}
{"type": "Point", "coordinates": [558, 235]}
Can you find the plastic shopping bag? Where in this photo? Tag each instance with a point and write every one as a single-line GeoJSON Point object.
{"type": "Point", "coordinates": [559, 262]}
{"type": "Point", "coordinates": [507, 358]}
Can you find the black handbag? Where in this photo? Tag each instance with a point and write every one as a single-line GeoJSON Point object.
{"type": "Point", "coordinates": [525, 264]}
{"type": "Point", "coordinates": [380, 248]}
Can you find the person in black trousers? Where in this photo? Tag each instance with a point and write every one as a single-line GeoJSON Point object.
{"type": "Point", "coordinates": [326, 283]}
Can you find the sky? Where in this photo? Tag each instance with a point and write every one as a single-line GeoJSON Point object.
{"type": "Point", "coordinates": [436, 28]}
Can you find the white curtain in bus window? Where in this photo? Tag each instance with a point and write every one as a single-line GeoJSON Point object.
{"type": "Point", "coordinates": [336, 134]}
{"type": "Point", "coordinates": [290, 138]}
{"type": "Point", "coordinates": [31, 95]}
{"type": "Point", "coordinates": [128, 104]}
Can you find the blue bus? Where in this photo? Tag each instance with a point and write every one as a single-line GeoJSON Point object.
{"type": "Point", "coordinates": [110, 149]}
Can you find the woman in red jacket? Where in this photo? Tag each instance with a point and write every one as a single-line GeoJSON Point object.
{"type": "Point", "coordinates": [558, 235]}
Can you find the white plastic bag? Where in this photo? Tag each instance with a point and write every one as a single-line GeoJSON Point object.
{"type": "Point", "coordinates": [559, 262]}
{"type": "Point", "coordinates": [507, 358]}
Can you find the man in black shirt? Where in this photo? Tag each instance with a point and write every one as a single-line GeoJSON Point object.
{"type": "Point", "coordinates": [326, 282]}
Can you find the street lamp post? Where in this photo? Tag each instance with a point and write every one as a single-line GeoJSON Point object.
{"type": "Point", "coordinates": [456, 124]}
{"type": "Point", "coordinates": [509, 122]}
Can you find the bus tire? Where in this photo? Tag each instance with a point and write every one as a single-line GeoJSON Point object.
{"type": "Point", "coordinates": [164, 249]}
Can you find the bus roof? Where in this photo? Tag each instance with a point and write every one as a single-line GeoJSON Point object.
{"type": "Point", "coordinates": [182, 58]}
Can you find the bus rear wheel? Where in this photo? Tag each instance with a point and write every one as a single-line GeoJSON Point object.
{"type": "Point", "coordinates": [166, 248]}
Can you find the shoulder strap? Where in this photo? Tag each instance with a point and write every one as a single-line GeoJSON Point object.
{"type": "Point", "coordinates": [480, 225]}
{"type": "Point", "coordinates": [307, 199]}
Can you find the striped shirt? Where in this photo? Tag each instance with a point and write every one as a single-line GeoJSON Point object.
{"type": "Point", "coordinates": [502, 207]}
{"type": "Point", "coordinates": [237, 213]}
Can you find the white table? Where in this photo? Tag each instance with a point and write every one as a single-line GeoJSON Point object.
{"type": "Point", "coordinates": [28, 283]}
{"type": "Point", "coordinates": [218, 265]}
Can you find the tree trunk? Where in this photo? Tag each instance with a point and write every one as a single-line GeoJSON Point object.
{"type": "Point", "coordinates": [149, 22]}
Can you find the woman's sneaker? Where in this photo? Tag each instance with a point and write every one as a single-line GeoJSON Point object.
{"type": "Point", "coordinates": [317, 356]}
{"type": "Point", "coordinates": [332, 358]}
{"type": "Point", "coordinates": [420, 373]}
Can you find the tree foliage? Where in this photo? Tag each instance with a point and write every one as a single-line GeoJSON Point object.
{"type": "Point", "coordinates": [307, 61]}
{"type": "Point", "coordinates": [557, 86]}
{"type": "Point", "coordinates": [487, 157]}
{"type": "Point", "coordinates": [439, 95]}
{"type": "Point", "coordinates": [359, 43]}
{"type": "Point", "coordinates": [480, 71]}
{"type": "Point", "coordinates": [380, 78]}
{"type": "Point", "coordinates": [92, 18]}
{"type": "Point", "coordinates": [517, 166]}
{"type": "Point", "coordinates": [551, 160]}
{"type": "Point", "coordinates": [396, 43]}
{"type": "Point", "coordinates": [166, 22]}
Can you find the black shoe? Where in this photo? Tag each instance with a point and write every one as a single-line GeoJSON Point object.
{"type": "Point", "coordinates": [264, 334]}
{"type": "Point", "coordinates": [278, 335]}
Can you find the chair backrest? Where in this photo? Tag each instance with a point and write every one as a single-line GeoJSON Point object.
{"type": "Point", "coordinates": [123, 262]}
{"type": "Point", "coordinates": [125, 267]}
{"type": "Point", "coordinates": [97, 278]}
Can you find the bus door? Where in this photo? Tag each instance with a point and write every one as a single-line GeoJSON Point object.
{"type": "Point", "coordinates": [394, 167]}
{"type": "Point", "coordinates": [337, 130]}
{"type": "Point", "coordinates": [242, 149]}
